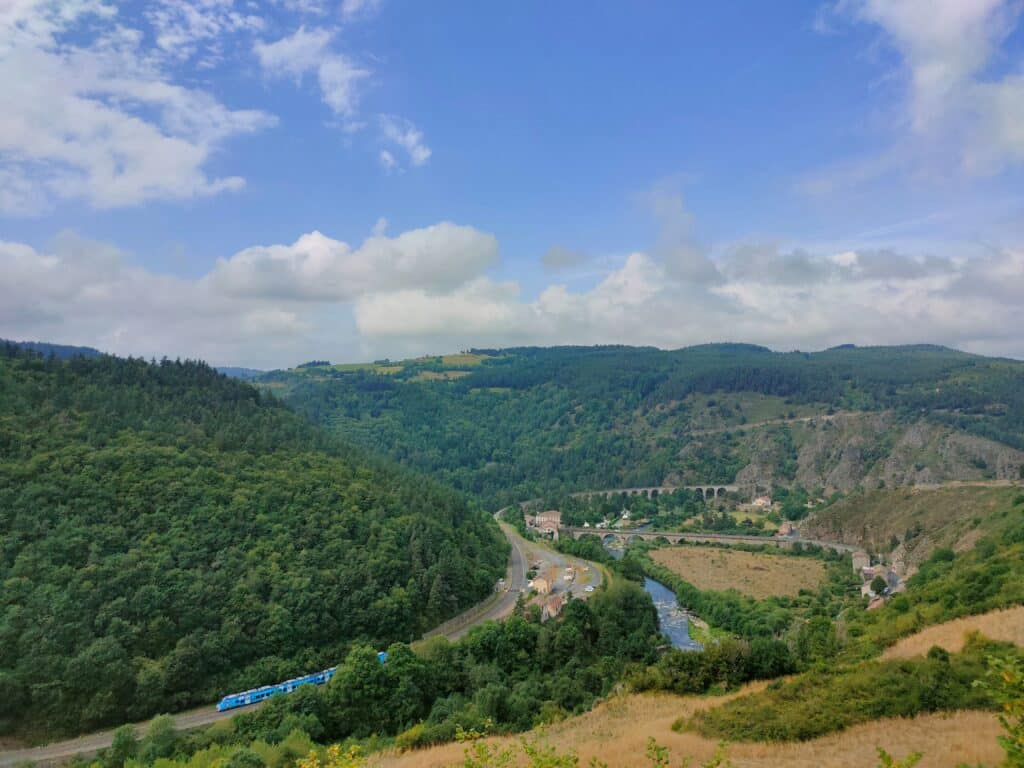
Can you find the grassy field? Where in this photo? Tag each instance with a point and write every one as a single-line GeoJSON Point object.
{"type": "Point", "coordinates": [439, 375]}
{"type": "Point", "coordinates": [751, 573]}
{"type": "Point", "coordinates": [1006, 625]}
{"type": "Point", "coordinates": [617, 732]}
{"type": "Point", "coordinates": [466, 360]}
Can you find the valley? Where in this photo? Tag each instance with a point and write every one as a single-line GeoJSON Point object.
{"type": "Point", "coordinates": [511, 385]}
{"type": "Point", "coordinates": [823, 470]}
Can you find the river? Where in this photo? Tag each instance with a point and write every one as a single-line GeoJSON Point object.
{"type": "Point", "coordinates": [671, 619]}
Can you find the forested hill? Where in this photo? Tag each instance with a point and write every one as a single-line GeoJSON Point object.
{"type": "Point", "coordinates": [515, 423]}
{"type": "Point", "coordinates": [63, 351]}
{"type": "Point", "coordinates": [168, 535]}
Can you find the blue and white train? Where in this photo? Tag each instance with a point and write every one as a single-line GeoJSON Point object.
{"type": "Point", "coordinates": [257, 695]}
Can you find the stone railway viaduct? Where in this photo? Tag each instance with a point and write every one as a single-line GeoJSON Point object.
{"type": "Point", "coordinates": [707, 492]}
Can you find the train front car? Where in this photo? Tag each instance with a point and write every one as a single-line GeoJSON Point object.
{"type": "Point", "coordinates": [256, 695]}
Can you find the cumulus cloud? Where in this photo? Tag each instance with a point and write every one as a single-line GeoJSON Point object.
{"type": "Point", "coordinates": [784, 299]}
{"type": "Point", "coordinates": [429, 289]}
{"type": "Point", "coordinates": [318, 268]}
{"type": "Point", "coordinates": [676, 246]}
{"type": "Point", "coordinates": [101, 119]}
{"type": "Point", "coordinates": [91, 293]}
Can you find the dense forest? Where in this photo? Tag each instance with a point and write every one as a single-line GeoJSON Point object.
{"type": "Point", "coordinates": [512, 424]}
{"type": "Point", "coordinates": [524, 673]}
{"type": "Point", "coordinates": [168, 534]}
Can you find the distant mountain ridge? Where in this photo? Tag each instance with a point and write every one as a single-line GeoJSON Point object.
{"type": "Point", "coordinates": [514, 423]}
{"type": "Point", "coordinates": [60, 351]}
{"type": "Point", "coordinates": [239, 373]}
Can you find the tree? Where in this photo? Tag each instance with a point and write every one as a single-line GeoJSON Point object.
{"type": "Point", "coordinates": [1005, 684]}
{"type": "Point", "coordinates": [161, 739]}
{"type": "Point", "coordinates": [879, 584]}
{"type": "Point", "coordinates": [245, 758]}
{"type": "Point", "coordinates": [124, 747]}
{"type": "Point", "coordinates": [334, 758]}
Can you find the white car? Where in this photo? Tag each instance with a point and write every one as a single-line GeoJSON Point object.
{"type": "Point", "coordinates": [589, 589]}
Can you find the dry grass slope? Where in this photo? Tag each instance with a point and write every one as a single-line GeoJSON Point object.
{"type": "Point", "coordinates": [617, 732]}
{"type": "Point", "coordinates": [755, 574]}
{"type": "Point", "coordinates": [1006, 625]}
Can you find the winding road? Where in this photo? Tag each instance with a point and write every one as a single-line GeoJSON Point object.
{"type": "Point", "coordinates": [497, 606]}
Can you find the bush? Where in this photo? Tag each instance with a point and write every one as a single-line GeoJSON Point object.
{"type": "Point", "coordinates": [824, 701]}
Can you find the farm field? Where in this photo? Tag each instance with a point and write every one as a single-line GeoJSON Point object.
{"type": "Point", "coordinates": [756, 574]}
{"type": "Point", "coordinates": [610, 734]}
{"type": "Point", "coordinates": [1006, 625]}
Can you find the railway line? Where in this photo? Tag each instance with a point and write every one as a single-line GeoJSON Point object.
{"type": "Point", "coordinates": [494, 607]}
{"type": "Point", "coordinates": [497, 606]}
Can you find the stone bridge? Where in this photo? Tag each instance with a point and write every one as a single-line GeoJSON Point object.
{"type": "Point", "coordinates": [674, 537]}
{"type": "Point", "coordinates": [707, 491]}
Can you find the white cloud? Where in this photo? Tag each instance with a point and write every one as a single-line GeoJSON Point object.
{"type": "Point", "coordinates": [318, 268]}
{"type": "Point", "coordinates": [359, 9]}
{"type": "Point", "coordinates": [428, 289]}
{"type": "Point", "coordinates": [865, 297]}
{"type": "Point", "coordinates": [91, 293]}
{"type": "Point", "coordinates": [294, 55]}
{"type": "Point", "coordinates": [962, 113]}
{"type": "Point", "coordinates": [339, 80]}
{"type": "Point", "coordinates": [404, 134]}
{"type": "Point", "coordinates": [101, 119]}
{"type": "Point", "coordinates": [558, 257]}
{"type": "Point", "coordinates": [304, 51]}
{"type": "Point", "coordinates": [185, 28]}
{"type": "Point", "coordinates": [481, 307]}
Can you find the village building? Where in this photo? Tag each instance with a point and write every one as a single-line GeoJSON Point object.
{"type": "Point", "coordinates": [786, 529]}
{"type": "Point", "coordinates": [546, 523]}
{"type": "Point", "coordinates": [552, 607]}
{"type": "Point", "coordinates": [761, 502]}
{"type": "Point", "coordinates": [551, 517]}
{"type": "Point", "coordinates": [861, 560]}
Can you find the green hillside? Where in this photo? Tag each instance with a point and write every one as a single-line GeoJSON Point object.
{"type": "Point", "coordinates": [516, 423]}
{"type": "Point", "coordinates": [168, 534]}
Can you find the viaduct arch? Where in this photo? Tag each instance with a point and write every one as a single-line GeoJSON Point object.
{"type": "Point", "coordinates": [707, 491]}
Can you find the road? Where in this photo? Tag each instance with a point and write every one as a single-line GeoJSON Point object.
{"type": "Point", "coordinates": [523, 554]}
{"type": "Point", "coordinates": [498, 606]}
{"type": "Point", "coordinates": [62, 751]}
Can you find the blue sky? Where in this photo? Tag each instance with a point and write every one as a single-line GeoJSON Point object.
{"type": "Point", "coordinates": [260, 183]}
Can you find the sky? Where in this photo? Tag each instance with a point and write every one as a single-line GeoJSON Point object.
{"type": "Point", "coordinates": [264, 183]}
